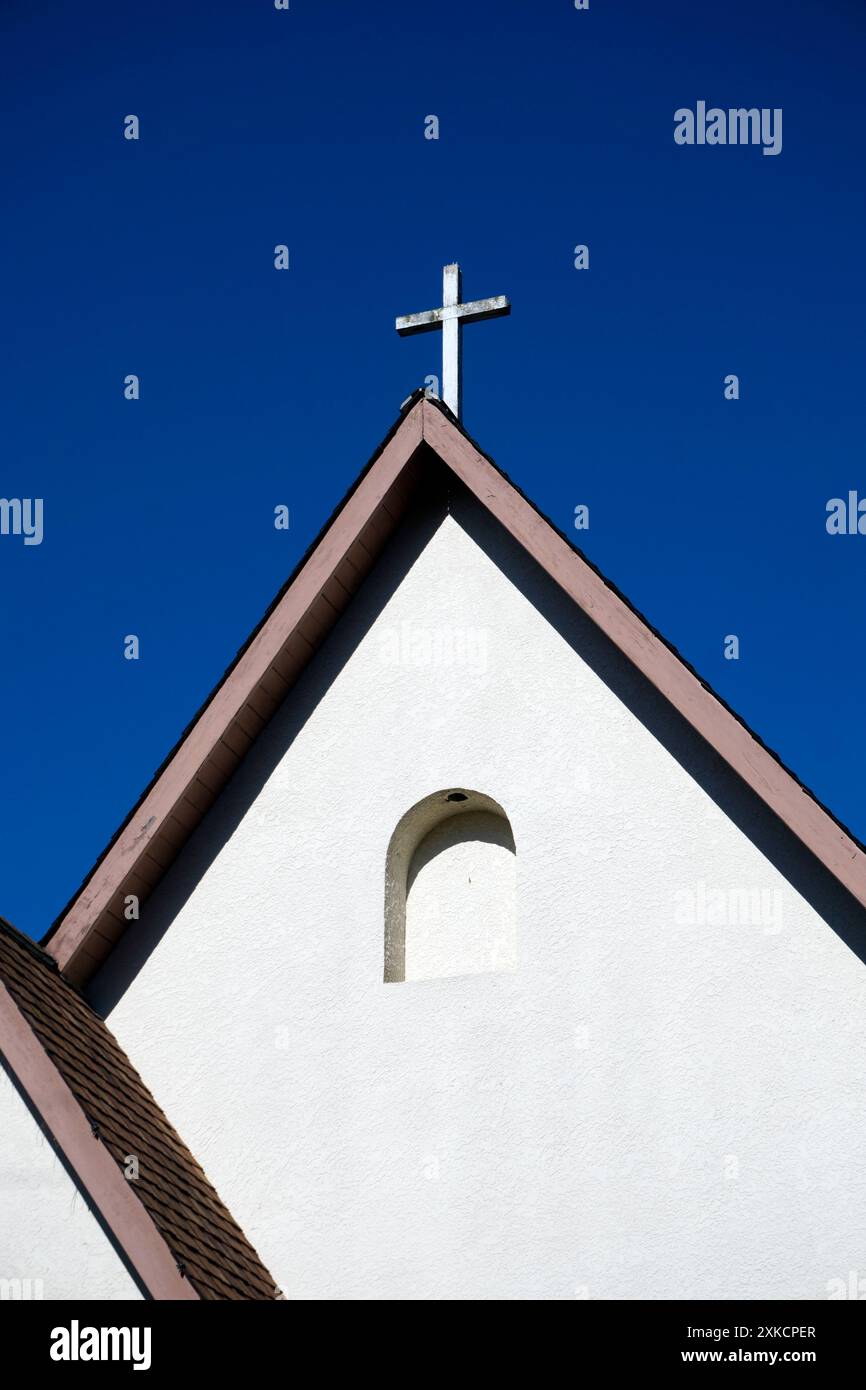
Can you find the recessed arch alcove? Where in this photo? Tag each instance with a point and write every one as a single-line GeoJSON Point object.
{"type": "Point", "coordinates": [450, 889]}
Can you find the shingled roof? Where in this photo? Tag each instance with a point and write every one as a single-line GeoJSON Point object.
{"type": "Point", "coordinates": [175, 1234]}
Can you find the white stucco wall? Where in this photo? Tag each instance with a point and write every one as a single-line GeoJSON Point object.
{"type": "Point", "coordinates": [51, 1245]}
{"type": "Point", "coordinates": [664, 1099]}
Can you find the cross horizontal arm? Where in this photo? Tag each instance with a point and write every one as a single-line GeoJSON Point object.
{"type": "Point", "coordinates": [419, 323]}
{"type": "Point", "coordinates": [478, 309]}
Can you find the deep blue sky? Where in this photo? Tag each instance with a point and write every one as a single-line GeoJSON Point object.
{"type": "Point", "coordinates": [261, 127]}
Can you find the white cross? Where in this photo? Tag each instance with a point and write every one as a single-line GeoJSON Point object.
{"type": "Point", "coordinates": [451, 318]}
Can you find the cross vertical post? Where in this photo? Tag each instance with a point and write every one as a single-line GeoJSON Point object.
{"type": "Point", "coordinates": [452, 341]}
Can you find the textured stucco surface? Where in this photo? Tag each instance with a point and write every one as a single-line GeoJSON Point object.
{"type": "Point", "coordinates": [49, 1237]}
{"type": "Point", "coordinates": [665, 1099]}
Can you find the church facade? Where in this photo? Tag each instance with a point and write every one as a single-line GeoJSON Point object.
{"type": "Point", "coordinates": [473, 946]}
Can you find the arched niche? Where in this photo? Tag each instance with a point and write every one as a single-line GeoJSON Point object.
{"type": "Point", "coordinates": [450, 889]}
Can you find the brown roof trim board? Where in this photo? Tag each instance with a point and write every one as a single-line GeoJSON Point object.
{"type": "Point", "coordinates": [168, 1224]}
{"type": "Point", "coordinates": [302, 615]}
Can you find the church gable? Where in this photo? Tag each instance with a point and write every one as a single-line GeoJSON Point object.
{"type": "Point", "coordinates": [476, 1057]}
{"type": "Point", "coordinates": [671, 942]}
{"type": "Point", "coordinates": [425, 441]}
